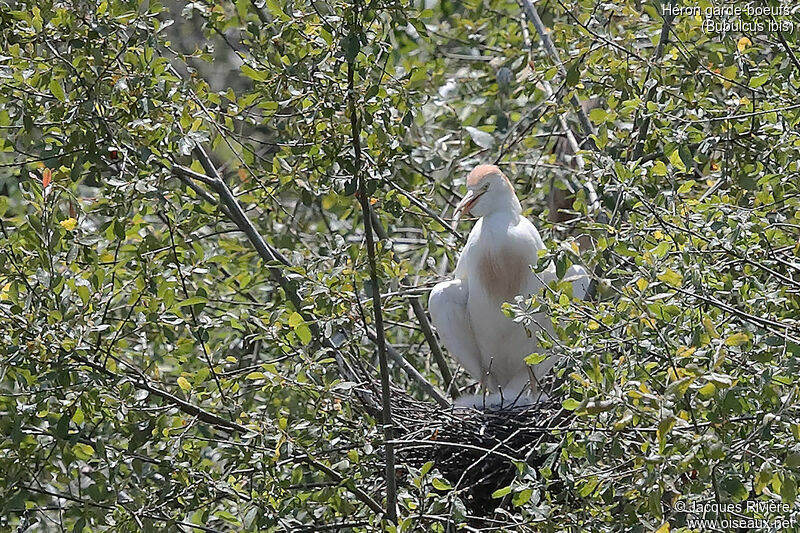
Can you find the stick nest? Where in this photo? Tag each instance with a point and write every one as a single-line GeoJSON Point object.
{"type": "Point", "coordinates": [478, 451]}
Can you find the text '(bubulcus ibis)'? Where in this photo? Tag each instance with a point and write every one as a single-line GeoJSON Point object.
{"type": "Point", "coordinates": [493, 268]}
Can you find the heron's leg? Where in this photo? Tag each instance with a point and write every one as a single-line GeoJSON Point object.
{"type": "Point", "coordinates": [488, 379]}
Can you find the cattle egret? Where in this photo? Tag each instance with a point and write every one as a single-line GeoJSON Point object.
{"type": "Point", "coordinates": [495, 267]}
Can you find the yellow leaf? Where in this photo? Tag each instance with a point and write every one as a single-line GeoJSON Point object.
{"type": "Point", "coordinates": [664, 528]}
{"type": "Point", "coordinates": [707, 390]}
{"type": "Point", "coordinates": [671, 277]}
{"type": "Point", "coordinates": [737, 339]}
{"type": "Point", "coordinates": [686, 351]}
{"type": "Point", "coordinates": [674, 374]}
{"type": "Point", "coordinates": [184, 384]}
{"type": "Point", "coordinates": [709, 326]}
{"type": "Point", "coordinates": [295, 320]}
{"type": "Point", "coordinates": [641, 283]}
{"type": "Point", "coordinates": [69, 224]}
{"type": "Point", "coordinates": [743, 43]}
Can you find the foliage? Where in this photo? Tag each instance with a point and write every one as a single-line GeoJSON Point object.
{"type": "Point", "coordinates": [157, 376]}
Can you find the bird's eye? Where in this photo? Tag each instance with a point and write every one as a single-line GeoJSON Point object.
{"type": "Point", "coordinates": [486, 187]}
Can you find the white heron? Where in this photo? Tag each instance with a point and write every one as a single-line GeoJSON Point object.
{"type": "Point", "coordinates": [495, 267]}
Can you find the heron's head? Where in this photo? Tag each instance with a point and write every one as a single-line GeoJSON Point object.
{"type": "Point", "coordinates": [488, 191]}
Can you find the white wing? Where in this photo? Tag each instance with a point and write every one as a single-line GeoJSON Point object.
{"type": "Point", "coordinates": [448, 308]}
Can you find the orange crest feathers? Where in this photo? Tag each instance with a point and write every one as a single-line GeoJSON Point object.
{"type": "Point", "coordinates": [482, 171]}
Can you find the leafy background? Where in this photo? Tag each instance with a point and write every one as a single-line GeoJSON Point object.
{"type": "Point", "coordinates": [158, 376]}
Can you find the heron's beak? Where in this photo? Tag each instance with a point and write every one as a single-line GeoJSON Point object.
{"type": "Point", "coordinates": [466, 203]}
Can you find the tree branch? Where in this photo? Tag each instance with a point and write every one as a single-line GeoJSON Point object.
{"type": "Point", "coordinates": [140, 381]}
{"type": "Point", "coordinates": [422, 318]}
{"type": "Point", "coordinates": [641, 135]}
{"type": "Point", "coordinates": [412, 372]}
{"type": "Point", "coordinates": [380, 339]}
{"type": "Point", "coordinates": [533, 16]}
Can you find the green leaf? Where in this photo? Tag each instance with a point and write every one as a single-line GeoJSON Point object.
{"type": "Point", "coordinates": [535, 358]}
{"type": "Point", "coordinates": [662, 249]}
{"type": "Point", "coordinates": [295, 320]}
{"type": "Point", "coordinates": [598, 115]}
{"type": "Point", "coordinates": [351, 46]}
{"type": "Point", "coordinates": [671, 277]}
{"type": "Point", "coordinates": [686, 157]}
{"type": "Point", "coordinates": [573, 75]}
{"type": "Point", "coordinates": [522, 497]}
{"type": "Point", "coordinates": [758, 81]}
{"type": "Point", "coordinates": [499, 493]}
{"type": "Point", "coordinates": [441, 484]}
{"type": "Point", "coordinates": [192, 301]}
{"type": "Point", "coordinates": [664, 427]}
{"type": "Point", "coordinates": [737, 339]}
{"type": "Point", "coordinates": [82, 451]}
{"type": "Point", "coordinates": [570, 404]}
{"type": "Point", "coordinates": [735, 488]}
{"type": "Point", "coordinates": [57, 90]}
{"type": "Point", "coordinates": [426, 468]}
{"type": "Point", "coordinates": [250, 72]}
{"type": "Point", "coordinates": [275, 8]}
{"type": "Point", "coordinates": [788, 489]}
{"type": "Point", "coordinates": [588, 487]}
{"type": "Point", "coordinates": [303, 333]}
{"type": "Point", "coordinates": [686, 187]}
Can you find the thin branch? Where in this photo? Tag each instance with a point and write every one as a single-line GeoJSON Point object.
{"type": "Point", "coordinates": [412, 372]}
{"type": "Point", "coordinates": [786, 45]}
{"type": "Point", "coordinates": [140, 381]}
{"type": "Point", "coordinates": [419, 312]}
{"type": "Point", "coordinates": [549, 47]}
{"type": "Point", "coordinates": [641, 136]}
{"type": "Point", "coordinates": [330, 472]}
{"type": "Point", "coordinates": [380, 339]}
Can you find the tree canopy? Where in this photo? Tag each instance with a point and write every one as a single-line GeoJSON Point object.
{"type": "Point", "coordinates": [215, 216]}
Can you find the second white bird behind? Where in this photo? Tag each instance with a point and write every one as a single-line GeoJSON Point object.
{"type": "Point", "coordinates": [495, 267]}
